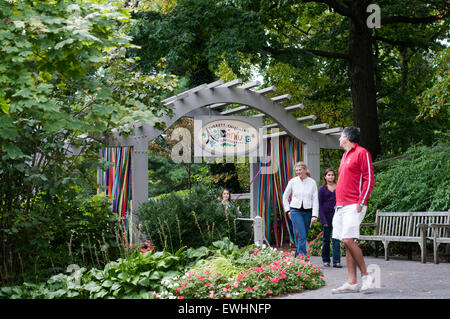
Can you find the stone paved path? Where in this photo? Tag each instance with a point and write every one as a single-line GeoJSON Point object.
{"type": "Point", "coordinates": [399, 279]}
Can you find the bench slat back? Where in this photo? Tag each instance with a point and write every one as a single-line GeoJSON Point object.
{"type": "Point", "coordinates": [405, 223]}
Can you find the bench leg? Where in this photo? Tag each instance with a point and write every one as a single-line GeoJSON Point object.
{"type": "Point", "coordinates": [386, 250]}
{"type": "Point", "coordinates": [423, 244]}
{"type": "Point", "coordinates": [376, 249]}
{"type": "Point", "coordinates": [435, 251]}
{"type": "Point", "coordinates": [423, 251]}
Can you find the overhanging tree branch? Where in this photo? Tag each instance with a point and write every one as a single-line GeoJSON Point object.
{"type": "Point", "coordinates": [325, 54]}
{"type": "Point", "coordinates": [412, 20]}
{"type": "Point", "coordinates": [394, 42]}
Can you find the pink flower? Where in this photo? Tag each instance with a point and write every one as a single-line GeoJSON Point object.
{"type": "Point", "coordinates": [306, 276]}
{"type": "Point", "coordinates": [207, 284]}
{"type": "Point", "coordinates": [269, 292]}
{"type": "Point", "coordinates": [211, 294]}
{"type": "Point", "coordinates": [248, 289]}
{"type": "Point", "coordinates": [266, 278]}
{"type": "Point", "coordinates": [180, 297]}
{"type": "Point", "coordinates": [236, 284]}
{"type": "Point", "coordinates": [228, 295]}
{"type": "Point", "coordinates": [254, 288]}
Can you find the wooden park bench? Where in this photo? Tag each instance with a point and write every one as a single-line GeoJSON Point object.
{"type": "Point", "coordinates": [441, 235]}
{"type": "Point", "coordinates": [412, 227]}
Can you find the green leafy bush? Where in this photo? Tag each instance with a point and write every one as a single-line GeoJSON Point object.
{"type": "Point", "coordinates": [418, 181]}
{"type": "Point", "coordinates": [64, 76]}
{"type": "Point", "coordinates": [75, 230]}
{"type": "Point", "coordinates": [195, 219]}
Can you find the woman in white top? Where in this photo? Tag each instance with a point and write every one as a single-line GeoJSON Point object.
{"type": "Point", "coordinates": [304, 205]}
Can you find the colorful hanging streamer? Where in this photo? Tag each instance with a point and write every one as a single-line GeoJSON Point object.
{"type": "Point", "coordinates": [116, 182]}
{"type": "Point", "coordinates": [278, 227]}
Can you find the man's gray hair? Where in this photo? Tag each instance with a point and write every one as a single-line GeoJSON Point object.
{"type": "Point", "coordinates": [352, 133]}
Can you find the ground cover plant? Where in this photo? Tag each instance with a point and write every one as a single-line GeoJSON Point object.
{"type": "Point", "coordinates": [221, 270]}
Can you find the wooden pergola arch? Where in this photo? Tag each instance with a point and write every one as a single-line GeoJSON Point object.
{"type": "Point", "coordinates": [208, 99]}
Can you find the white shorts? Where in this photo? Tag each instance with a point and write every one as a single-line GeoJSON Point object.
{"type": "Point", "coordinates": [346, 221]}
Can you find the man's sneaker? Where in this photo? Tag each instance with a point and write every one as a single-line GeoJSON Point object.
{"type": "Point", "coordinates": [368, 284]}
{"type": "Point", "coordinates": [345, 288]}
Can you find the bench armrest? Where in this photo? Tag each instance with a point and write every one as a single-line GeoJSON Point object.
{"type": "Point", "coordinates": [423, 226]}
{"type": "Point", "coordinates": [440, 225]}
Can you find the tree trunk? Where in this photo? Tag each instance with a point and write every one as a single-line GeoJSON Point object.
{"type": "Point", "coordinates": [362, 82]}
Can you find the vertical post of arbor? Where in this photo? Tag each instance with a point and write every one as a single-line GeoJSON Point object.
{"type": "Point", "coordinates": [311, 154]}
{"type": "Point", "coordinates": [139, 167]}
{"type": "Point", "coordinates": [253, 189]}
{"type": "Point", "coordinates": [257, 221]}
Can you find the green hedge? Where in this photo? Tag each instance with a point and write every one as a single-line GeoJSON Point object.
{"type": "Point", "coordinates": [194, 219]}
{"type": "Point", "coordinates": [417, 181]}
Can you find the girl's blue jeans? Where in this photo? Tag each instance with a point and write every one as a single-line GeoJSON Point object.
{"type": "Point", "coordinates": [327, 231]}
{"type": "Point", "coordinates": [301, 221]}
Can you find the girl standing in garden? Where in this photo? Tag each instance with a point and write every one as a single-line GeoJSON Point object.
{"type": "Point", "coordinates": [304, 205]}
{"type": "Point", "coordinates": [327, 202]}
{"type": "Point", "coordinates": [225, 197]}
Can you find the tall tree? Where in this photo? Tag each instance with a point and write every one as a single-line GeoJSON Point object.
{"type": "Point", "coordinates": [301, 33]}
{"type": "Point", "coordinates": [307, 27]}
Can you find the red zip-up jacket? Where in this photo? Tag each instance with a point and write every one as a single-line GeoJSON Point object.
{"type": "Point", "coordinates": [356, 178]}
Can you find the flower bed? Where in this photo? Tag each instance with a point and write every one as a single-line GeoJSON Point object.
{"type": "Point", "coordinates": [221, 271]}
{"type": "Point", "coordinates": [271, 273]}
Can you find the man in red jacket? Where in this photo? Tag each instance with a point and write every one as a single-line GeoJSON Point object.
{"type": "Point", "coordinates": [355, 183]}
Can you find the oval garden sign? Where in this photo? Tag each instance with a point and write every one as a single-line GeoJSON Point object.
{"type": "Point", "coordinates": [227, 137]}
